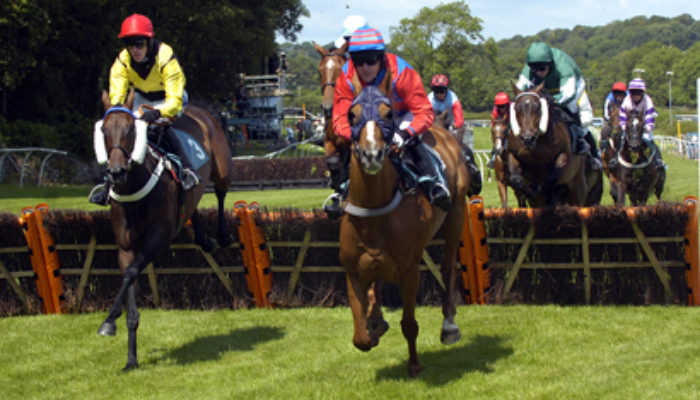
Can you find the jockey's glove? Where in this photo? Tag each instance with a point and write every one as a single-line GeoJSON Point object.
{"type": "Point", "coordinates": [151, 115]}
{"type": "Point", "coordinates": [401, 138]}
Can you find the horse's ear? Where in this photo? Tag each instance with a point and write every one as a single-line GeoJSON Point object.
{"type": "Point", "coordinates": [344, 48]}
{"type": "Point", "coordinates": [320, 49]}
{"type": "Point", "coordinates": [130, 99]}
{"type": "Point", "coordinates": [516, 91]}
{"type": "Point", "coordinates": [105, 100]}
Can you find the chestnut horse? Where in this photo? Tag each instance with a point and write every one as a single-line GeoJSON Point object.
{"type": "Point", "coordinates": [383, 232]}
{"type": "Point", "coordinates": [637, 173]}
{"type": "Point", "coordinates": [147, 206]}
{"type": "Point", "coordinates": [611, 133]}
{"type": "Point", "coordinates": [500, 130]}
{"type": "Point", "coordinates": [541, 163]}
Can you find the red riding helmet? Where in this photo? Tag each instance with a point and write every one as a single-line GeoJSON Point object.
{"type": "Point", "coordinates": [440, 81]}
{"type": "Point", "coordinates": [136, 25]}
{"type": "Point", "coordinates": [619, 87]}
{"type": "Point", "coordinates": [501, 99]}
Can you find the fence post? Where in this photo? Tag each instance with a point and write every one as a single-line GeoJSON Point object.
{"type": "Point", "coordinates": [481, 249]}
{"type": "Point", "coordinates": [692, 274]}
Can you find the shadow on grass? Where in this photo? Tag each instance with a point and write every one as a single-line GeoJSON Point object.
{"type": "Point", "coordinates": [209, 348]}
{"type": "Point", "coordinates": [453, 362]}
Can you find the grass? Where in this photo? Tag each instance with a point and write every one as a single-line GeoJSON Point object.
{"type": "Point", "coordinates": [681, 181]}
{"type": "Point", "coordinates": [507, 352]}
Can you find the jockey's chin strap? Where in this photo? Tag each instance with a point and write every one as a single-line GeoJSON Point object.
{"type": "Point", "coordinates": [374, 212]}
{"type": "Point", "coordinates": [145, 190]}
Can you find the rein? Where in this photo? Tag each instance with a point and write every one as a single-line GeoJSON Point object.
{"type": "Point", "coordinates": [147, 188]}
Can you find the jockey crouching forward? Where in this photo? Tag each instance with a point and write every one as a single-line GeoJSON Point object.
{"type": "Point", "coordinates": [155, 73]}
{"type": "Point", "coordinates": [563, 80]}
{"type": "Point", "coordinates": [368, 65]}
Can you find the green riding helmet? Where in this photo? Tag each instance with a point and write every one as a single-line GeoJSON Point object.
{"type": "Point", "coordinates": [539, 53]}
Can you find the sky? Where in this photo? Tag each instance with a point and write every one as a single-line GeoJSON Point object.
{"type": "Point", "coordinates": [500, 19]}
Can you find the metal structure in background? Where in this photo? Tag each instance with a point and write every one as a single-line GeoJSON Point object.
{"type": "Point", "coordinates": [4, 153]}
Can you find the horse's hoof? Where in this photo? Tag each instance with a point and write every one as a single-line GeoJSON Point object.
{"type": "Point", "coordinates": [363, 345]}
{"type": "Point", "coordinates": [107, 329]}
{"type": "Point", "coordinates": [225, 240]}
{"type": "Point", "coordinates": [450, 336]}
{"type": "Point", "coordinates": [208, 245]}
{"type": "Point", "coordinates": [376, 329]}
{"type": "Point", "coordinates": [414, 370]}
{"type": "Point", "coordinates": [131, 365]}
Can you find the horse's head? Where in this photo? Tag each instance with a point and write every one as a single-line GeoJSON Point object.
{"type": "Point", "coordinates": [529, 115]}
{"type": "Point", "coordinates": [372, 125]}
{"type": "Point", "coordinates": [635, 130]}
{"type": "Point", "coordinates": [332, 62]}
{"type": "Point", "coordinates": [119, 140]}
{"type": "Point", "coordinates": [499, 134]}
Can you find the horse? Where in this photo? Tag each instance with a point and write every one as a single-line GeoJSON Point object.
{"type": "Point", "coordinates": [329, 68]}
{"type": "Point", "coordinates": [638, 175]}
{"type": "Point", "coordinates": [383, 232]}
{"type": "Point", "coordinates": [500, 131]}
{"type": "Point", "coordinates": [540, 161]}
{"type": "Point", "coordinates": [611, 133]}
{"type": "Point", "coordinates": [147, 206]}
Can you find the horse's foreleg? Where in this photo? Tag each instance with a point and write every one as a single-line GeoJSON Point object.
{"type": "Point", "coordinates": [357, 296]}
{"type": "Point", "coordinates": [376, 325]}
{"type": "Point", "coordinates": [207, 244]}
{"type": "Point", "coordinates": [223, 236]}
{"type": "Point", "coordinates": [409, 325]}
{"type": "Point", "coordinates": [140, 261]}
{"type": "Point", "coordinates": [132, 324]}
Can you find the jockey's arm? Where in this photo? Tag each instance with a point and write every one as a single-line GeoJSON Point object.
{"type": "Point", "coordinates": [410, 88]}
{"type": "Point", "coordinates": [174, 84]}
{"type": "Point", "coordinates": [341, 105]}
{"type": "Point", "coordinates": [458, 114]}
{"type": "Point", "coordinates": [567, 90]}
{"type": "Point", "coordinates": [118, 82]}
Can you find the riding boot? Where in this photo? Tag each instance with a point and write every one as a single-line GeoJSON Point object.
{"type": "Point", "coordinates": [100, 194]}
{"type": "Point", "coordinates": [474, 173]}
{"type": "Point", "coordinates": [190, 178]}
{"type": "Point", "coordinates": [438, 193]}
{"type": "Point", "coordinates": [594, 160]}
{"type": "Point", "coordinates": [338, 177]}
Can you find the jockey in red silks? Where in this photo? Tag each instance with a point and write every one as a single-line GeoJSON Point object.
{"type": "Point", "coordinates": [413, 113]}
{"type": "Point", "coordinates": [501, 105]}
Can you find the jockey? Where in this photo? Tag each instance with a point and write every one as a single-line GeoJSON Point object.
{"type": "Point", "coordinates": [614, 98]}
{"type": "Point", "coordinates": [368, 65]}
{"type": "Point", "coordinates": [638, 100]}
{"type": "Point", "coordinates": [501, 106]}
{"type": "Point", "coordinates": [442, 98]}
{"type": "Point", "coordinates": [351, 23]}
{"type": "Point", "coordinates": [152, 68]}
{"type": "Point", "coordinates": [563, 80]}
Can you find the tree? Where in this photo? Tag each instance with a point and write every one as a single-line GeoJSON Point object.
{"type": "Point", "coordinates": [447, 40]}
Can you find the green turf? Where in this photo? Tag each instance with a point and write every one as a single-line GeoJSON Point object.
{"type": "Point", "coordinates": [507, 352]}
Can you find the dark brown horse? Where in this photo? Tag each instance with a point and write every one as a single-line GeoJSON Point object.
{"type": "Point", "coordinates": [638, 175]}
{"type": "Point", "coordinates": [147, 205]}
{"type": "Point", "coordinates": [500, 130]}
{"type": "Point", "coordinates": [384, 232]}
{"type": "Point", "coordinates": [541, 163]}
{"type": "Point", "coordinates": [611, 134]}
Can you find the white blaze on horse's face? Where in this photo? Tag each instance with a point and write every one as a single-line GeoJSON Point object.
{"type": "Point", "coordinates": [371, 152]}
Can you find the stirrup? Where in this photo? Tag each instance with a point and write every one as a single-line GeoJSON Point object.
{"type": "Point", "coordinates": [331, 206]}
{"type": "Point", "coordinates": [99, 195]}
{"type": "Point", "coordinates": [491, 164]}
{"type": "Point", "coordinates": [190, 179]}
